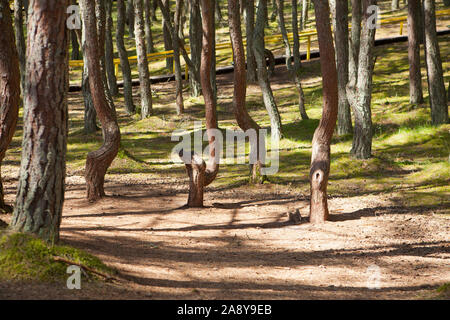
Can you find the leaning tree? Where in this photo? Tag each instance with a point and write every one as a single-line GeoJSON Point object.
{"type": "Point", "coordinates": [40, 193]}
{"type": "Point", "coordinates": [9, 88]}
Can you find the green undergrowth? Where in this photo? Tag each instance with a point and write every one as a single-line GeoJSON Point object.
{"type": "Point", "coordinates": [24, 257]}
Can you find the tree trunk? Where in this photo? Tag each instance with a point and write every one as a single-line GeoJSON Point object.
{"type": "Point", "coordinates": [263, 79]}
{"type": "Point", "coordinates": [200, 174]}
{"type": "Point", "coordinates": [320, 158]}
{"type": "Point", "coordinates": [218, 11]}
{"type": "Point", "coordinates": [166, 34]}
{"type": "Point", "coordinates": [123, 55]}
{"type": "Point", "coordinates": [98, 161]}
{"type": "Point", "coordinates": [305, 7]}
{"type": "Point", "coordinates": [415, 77]}
{"type": "Point", "coordinates": [148, 26]}
{"type": "Point", "coordinates": [195, 40]}
{"type": "Point", "coordinates": [130, 18]}
{"type": "Point", "coordinates": [249, 31]}
{"type": "Point", "coordinates": [395, 5]}
{"type": "Point", "coordinates": [40, 193]}
{"type": "Point", "coordinates": [213, 56]}
{"type": "Point", "coordinates": [76, 55]}
{"type": "Point", "coordinates": [144, 75]}
{"type": "Point", "coordinates": [242, 116]}
{"type": "Point", "coordinates": [344, 124]}
{"type": "Point", "coordinates": [20, 40]}
{"type": "Point", "coordinates": [9, 88]}
{"type": "Point", "coordinates": [109, 51]}
{"type": "Point", "coordinates": [360, 95]}
{"type": "Point", "coordinates": [436, 87]}
{"type": "Point", "coordinates": [355, 42]}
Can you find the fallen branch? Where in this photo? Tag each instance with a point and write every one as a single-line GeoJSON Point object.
{"type": "Point", "coordinates": [106, 276]}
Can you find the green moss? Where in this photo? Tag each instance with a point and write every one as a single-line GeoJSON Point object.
{"type": "Point", "coordinates": [25, 257]}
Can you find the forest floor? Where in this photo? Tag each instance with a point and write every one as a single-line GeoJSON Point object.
{"type": "Point", "coordinates": [389, 226]}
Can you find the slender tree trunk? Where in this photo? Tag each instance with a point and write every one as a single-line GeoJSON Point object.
{"type": "Point", "coordinates": [144, 75]}
{"type": "Point", "coordinates": [395, 5]}
{"type": "Point", "coordinates": [40, 193]}
{"type": "Point", "coordinates": [305, 8]}
{"type": "Point", "coordinates": [166, 34]}
{"type": "Point", "coordinates": [436, 87]}
{"type": "Point", "coordinates": [109, 51]}
{"type": "Point", "coordinates": [200, 174]}
{"type": "Point", "coordinates": [320, 158]}
{"type": "Point", "coordinates": [130, 18]}
{"type": "Point", "coordinates": [98, 161]}
{"type": "Point", "coordinates": [415, 77]}
{"type": "Point", "coordinates": [195, 40]}
{"type": "Point", "coordinates": [154, 7]}
{"type": "Point", "coordinates": [20, 40]}
{"type": "Point", "coordinates": [76, 55]}
{"type": "Point", "coordinates": [9, 88]}
{"type": "Point", "coordinates": [249, 30]}
{"type": "Point", "coordinates": [355, 42]}
{"type": "Point", "coordinates": [218, 12]}
{"type": "Point", "coordinates": [344, 125]}
{"type": "Point", "coordinates": [123, 55]}
{"type": "Point", "coordinates": [263, 79]}
{"type": "Point", "coordinates": [297, 62]}
{"type": "Point", "coordinates": [242, 116]}
{"type": "Point", "coordinates": [360, 95]}
{"type": "Point", "coordinates": [213, 56]}
{"type": "Point", "coordinates": [148, 26]}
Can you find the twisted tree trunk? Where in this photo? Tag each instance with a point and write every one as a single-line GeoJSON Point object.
{"type": "Point", "coordinates": [9, 88]}
{"type": "Point", "coordinates": [40, 193]}
{"type": "Point", "coordinates": [320, 158]}
{"type": "Point", "coordinates": [98, 161]}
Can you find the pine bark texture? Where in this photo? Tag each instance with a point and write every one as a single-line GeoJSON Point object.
{"type": "Point", "coordinates": [320, 158]}
{"type": "Point", "coordinates": [249, 31]}
{"type": "Point", "coordinates": [40, 193]}
{"type": "Point", "coordinates": [20, 40]}
{"type": "Point", "coordinates": [9, 89]}
{"type": "Point", "coordinates": [415, 77]}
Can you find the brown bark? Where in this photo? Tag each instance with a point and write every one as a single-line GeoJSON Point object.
{"type": "Point", "coordinates": [9, 89]}
{"type": "Point", "coordinates": [415, 77]}
{"type": "Point", "coordinates": [148, 26]}
{"type": "Point", "coordinates": [109, 50]}
{"type": "Point", "coordinates": [40, 193]}
{"type": "Point", "coordinates": [249, 30]}
{"type": "Point", "coordinates": [98, 161]}
{"type": "Point", "coordinates": [200, 174]}
{"type": "Point", "coordinates": [320, 158]}
{"type": "Point", "coordinates": [20, 39]}
{"type": "Point", "coordinates": [195, 40]}
{"type": "Point", "coordinates": [130, 18]}
{"type": "Point", "coordinates": [166, 32]}
{"type": "Point", "coordinates": [436, 87]}
{"type": "Point", "coordinates": [144, 74]}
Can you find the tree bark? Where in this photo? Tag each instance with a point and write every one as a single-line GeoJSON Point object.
{"type": "Point", "coordinates": [218, 11]}
{"type": "Point", "coordinates": [98, 161]}
{"type": "Point", "coordinates": [436, 87]}
{"type": "Point", "coordinates": [40, 193]}
{"type": "Point", "coordinates": [109, 51]}
{"type": "Point", "coordinates": [395, 5]}
{"type": "Point", "coordinates": [9, 88]}
{"type": "Point", "coordinates": [166, 33]}
{"type": "Point", "coordinates": [305, 7]}
{"type": "Point", "coordinates": [130, 18]}
{"type": "Point", "coordinates": [355, 42]}
{"type": "Point", "coordinates": [144, 74]}
{"type": "Point", "coordinates": [320, 158]}
{"type": "Point", "coordinates": [344, 124]}
{"type": "Point", "coordinates": [360, 96]}
{"type": "Point", "coordinates": [76, 55]}
{"type": "Point", "coordinates": [195, 40]}
{"type": "Point", "coordinates": [148, 26]}
{"type": "Point", "coordinates": [123, 55]}
{"type": "Point", "coordinates": [249, 31]}
{"type": "Point", "coordinates": [200, 174]}
{"type": "Point", "coordinates": [263, 79]}
{"type": "Point", "coordinates": [415, 77]}
{"type": "Point", "coordinates": [20, 40]}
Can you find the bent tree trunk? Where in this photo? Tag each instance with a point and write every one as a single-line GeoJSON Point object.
{"type": "Point", "coordinates": [98, 161]}
{"type": "Point", "coordinates": [40, 193]}
{"type": "Point", "coordinates": [123, 55]}
{"type": "Point", "coordinates": [200, 174]}
{"type": "Point", "coordinates": [144, 74]}
{"type": "Point", "coordinates": [263, 78]}
{"type": "Point", "coordinates": [436, 87]}
{"type": "Point", "coordinates": [320, 158]}
{"type": "Point", "coordinates": [415, 77]}
{"type": "Point", "coordinates": [9, 89]}
{"type": "Point", "coordinates": [243, 119]}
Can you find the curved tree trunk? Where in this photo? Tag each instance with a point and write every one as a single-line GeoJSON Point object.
{"type": "Point", "coordinates": [200, 174]}
{"type": "Point", "coordinates": [144, 74]}
{"type": "Point", "coordinates": [436, 87]}
{"type": "Point", "coordinates": [98, 161]}
{"type": "Point", "coordinates": [415, 77]}
{"type": "Point", "coordinates": [344, 124]}
{"type": "Point", "coordinates": [40, 193]}
{"type": "Point", "coordinates": [320, 158]}
{"type": "Point", "coordinates": [9, 89]}
{"type": "Point", "coordinates": [123, 55]}
{"type": "Point", "coordinates": [20, 40]}
{"type": "Point", "coordinates": [263, 79]}
{"type": "Point", "coordinates": [109, 51]}
{"type": "Point", "coordinates": [195, 40]}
